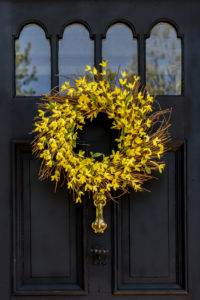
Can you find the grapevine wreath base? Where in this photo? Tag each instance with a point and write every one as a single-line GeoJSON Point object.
{"type": "Point", "coordinates": [143, 133]}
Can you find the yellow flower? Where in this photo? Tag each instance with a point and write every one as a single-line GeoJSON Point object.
{"type": "Point", "coordinates": [40, 145]}
{"type": "Point", "coordinates": [103, 72]}
{"type": "Point", "coordinates": [70, 185]}
{"type": "Point", "coordinates": [49, 163]}
{"type": "Point", "coordinates": [88, 187]}
{"type": "Point", "coordinates": [78, 200]}
{"type": "Point", "coordinates": [138, 150]}
{"type": "Point", "coordinates": [94, 72]}
{"type": "Point", "coordinates": [148, 123]}
{"type": "Point", "coordinates": [81, 153]}
{"type": "Point", "coordinates": [56, 176]}
{"type": "Point", "coordinates": [59, 156]}
{"type": "Point", "coordinates": [104, 63]}
{"type": "Point", "coordinates": [122, 82]}
{"type": "Point", "coordinates": [136, 78]}
{"type": "Point", "coordinates": [140, 96]}
{"type": "Point", "coordinates": [138, 167]}
{"type": "Point", "coordinates": [138, 140]}
{"type": "Point", "coordinates": [161, 150]}
{"type": "Point", "coordinates": [88, 68]}
{"type": "Point", "coordinates": [124, 74]}
{"type": "Point", "coordinates": [155, 141]}
{"type": "Point", "coordinates": [53, 125]}
{"type": "Point", "coordinates": [161, 167]}
{"type": "Point", "coordinates": [70, 92]}
{"type": "Point", "coordinates": [65, 86]}
{"type": "Point", "coordinates": [130, 86]}
{"type": "Point", "coordinates": [41, 113]}
{"type": "Point", "coordinates": [149, 98]}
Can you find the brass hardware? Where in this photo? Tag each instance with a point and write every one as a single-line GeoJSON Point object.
{"type": "Point", "coordinates": [99, 256]}
{"type": "Point", "coordinates": [99, 224]}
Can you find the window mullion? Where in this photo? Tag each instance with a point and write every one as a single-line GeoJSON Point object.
{"type": "Point", "coordinates": [54, 61]}
{"type": "Point", "coordinates": [97, 51]}
{"type": "Point", "coordinates": [141, 58]}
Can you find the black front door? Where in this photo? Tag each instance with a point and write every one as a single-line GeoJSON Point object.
{"type": "Point", "coordinates": [151, 246]}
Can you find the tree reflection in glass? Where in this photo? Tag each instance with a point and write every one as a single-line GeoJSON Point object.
{"type": "Point", "coordinates": [120, 49]}
{"type": "Point", "coordinates": [163, 61]}
{"type": "Point", "coordinates": [32, 62]}
{"type": "Point", "coordinates": [76, 50]}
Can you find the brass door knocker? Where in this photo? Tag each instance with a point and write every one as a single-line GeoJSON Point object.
{"type": "Point", "coordinates": [99, 225]}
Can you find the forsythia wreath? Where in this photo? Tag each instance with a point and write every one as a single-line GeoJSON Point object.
{"type": "Point", "coordinates": [143, 134]}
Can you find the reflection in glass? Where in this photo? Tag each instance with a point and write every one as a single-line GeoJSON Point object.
{"type": "Point", "coordinates": [120, 49]}
{"type": "Point", "coordinates": [163, 61]}
{"type": "Point", "coordinates": [76, 50]}
{"type": "Point", "coordinates": [32, 62]}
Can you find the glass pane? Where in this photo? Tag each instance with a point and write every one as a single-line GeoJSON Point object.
{"type": "Point", "coordinates": [32, 55]}
{"type": "Point", "coordinates": [76, 50]}
{"type": "Point", "coordinates": [120, 49]}
{"type": "Point", "coordinates": [163, 61]}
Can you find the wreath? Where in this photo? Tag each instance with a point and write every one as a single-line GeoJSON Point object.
{"type": "Point", "coordinates": [143, 134]}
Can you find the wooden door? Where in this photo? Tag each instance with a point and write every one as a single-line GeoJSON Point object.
{"type": "Point", "coordinates": [152, 240]}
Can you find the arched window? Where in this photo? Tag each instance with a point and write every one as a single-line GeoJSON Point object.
{"type": "Point", "coordinates": [76, 50]}
{"type": "Point", "coordinates": [32, 62]}
{"type": "Point", "coordinates": [163, 61]}
{"type": "Point", "coordinates": [120, 49]}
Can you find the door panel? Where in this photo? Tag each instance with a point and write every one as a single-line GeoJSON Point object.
{"type": "Point", "coordinates": [48, 233]}
{"type": "Point", "coordinates": [153, 237]}
{"type": "Point", "coordinates": [150, 235]}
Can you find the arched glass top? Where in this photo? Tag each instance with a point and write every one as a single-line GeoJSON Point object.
{"type": "Point", "coordinates": [120, 49]}
{"type": "Point", "coordinates": [76, 50]}
{"type": "Point", "coordinates": [32, 62]}
{"type": "Point", "coordinates": [163, 61]}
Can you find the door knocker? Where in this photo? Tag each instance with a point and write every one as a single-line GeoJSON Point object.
{"type": "Point", "coordinates": [99, 225]}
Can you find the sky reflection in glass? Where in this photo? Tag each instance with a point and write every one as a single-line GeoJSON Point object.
{"type": "Point", "coordinates": [32, 62]}
{"type": "Point", "coordinates": [76, 50]}
{"type": "Point", "coordinates": [163, 61]}
{"type": "Point", "coordinates": [120, 49]}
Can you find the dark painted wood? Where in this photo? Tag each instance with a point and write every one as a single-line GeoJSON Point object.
{"type": "Point", "coordinates": [152, 238]}
{"type": "Point", "coordinates": [154, 225]}
{"type": "Point", "coordinates": [48, 241]}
